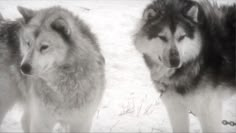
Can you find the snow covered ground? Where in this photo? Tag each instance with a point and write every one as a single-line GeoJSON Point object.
{"type": "Point", "coordinates": [130, 102]}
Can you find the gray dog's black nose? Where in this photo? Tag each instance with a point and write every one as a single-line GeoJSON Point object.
{"type": "Point", "coordinates": [26, 68]}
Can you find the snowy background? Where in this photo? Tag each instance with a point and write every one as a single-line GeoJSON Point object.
{"type": "Point", "coordinates": [130, 102]}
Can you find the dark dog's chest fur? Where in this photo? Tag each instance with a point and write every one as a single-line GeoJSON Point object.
{"type": "Point", "coordinates": [181, 80]}
{"type": "Point", "coordinates": [187, 78]}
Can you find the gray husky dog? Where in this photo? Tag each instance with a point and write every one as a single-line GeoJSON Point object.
{"type": "Point", "coordinates": [62, 60]}
{"type": "Point", "coordinates": [53, 57]}
{"type": "Point", "coordinates": [190, 51]}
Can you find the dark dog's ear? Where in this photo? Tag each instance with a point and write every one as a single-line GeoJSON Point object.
{"type": "Point", "coordinates": [61, 26]}
{"type": "Point", "coordinates": [149, 13]}
{"type": "Point", "coordinates": [26, 13]}
{"type": "Point", "coordinates": [193, 13]}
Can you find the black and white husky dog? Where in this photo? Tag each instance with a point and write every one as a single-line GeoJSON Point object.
{"type": "Point", "coordinates": [189, 48]}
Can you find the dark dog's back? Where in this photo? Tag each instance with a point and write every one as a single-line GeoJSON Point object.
{"type": "Point", "coordinates": [219, 52]}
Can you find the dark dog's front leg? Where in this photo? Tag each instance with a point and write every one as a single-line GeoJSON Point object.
{"type": "Point", "coordinates": [177, 111]}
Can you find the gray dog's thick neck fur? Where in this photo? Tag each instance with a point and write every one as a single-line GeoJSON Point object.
{"type": "Point", "coordinates": [70, 90]}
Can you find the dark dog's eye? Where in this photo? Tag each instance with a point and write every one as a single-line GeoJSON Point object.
{"type": "Point", "coordinates": [181, 38]}
{"type": "Point", "coordinates": [43, 48]}
{"type": "Point", "coordinates": [163, 38]}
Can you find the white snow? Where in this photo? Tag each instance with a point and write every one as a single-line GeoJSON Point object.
{"type": "Point", "coordinates": [130, 102]}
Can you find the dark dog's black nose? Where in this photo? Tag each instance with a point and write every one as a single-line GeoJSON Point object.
{"type": "Point", "coordinates": [174, 58]}
{"type": "Point", "coordinates": [26, 68]}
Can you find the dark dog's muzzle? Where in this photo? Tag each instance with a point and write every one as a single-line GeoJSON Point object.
{"type": "Point", "coordinates": [171, 58]}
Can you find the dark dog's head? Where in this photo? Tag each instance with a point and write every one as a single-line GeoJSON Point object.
{"type": "Point", "coordinates": [169, 32]}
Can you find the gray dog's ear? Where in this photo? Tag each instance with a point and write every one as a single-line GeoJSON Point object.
{"type": "Point", "coordinates": [193, 13]}
{"type": "Point", "coordinates": [26, 13]}
{"type": "Point", "coordinates": [62, 27]}
{"type": "Point", "coordinates": [149, 13]}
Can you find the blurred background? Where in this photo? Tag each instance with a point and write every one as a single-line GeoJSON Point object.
{"type": "Point", "coordinates": [130, 102]}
